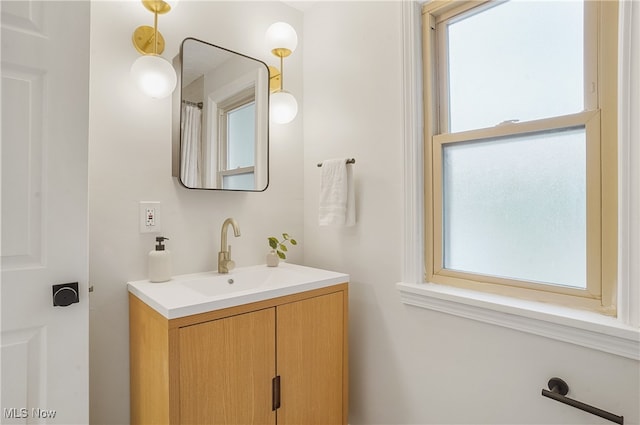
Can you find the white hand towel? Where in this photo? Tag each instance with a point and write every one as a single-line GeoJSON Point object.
{"type": "Point", "coordinates": [337, 200]}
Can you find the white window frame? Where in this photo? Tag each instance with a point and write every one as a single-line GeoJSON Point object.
{"type": "Point", "coordinates": [619, 336]}
{"type": "Point", "coordinates": [259, 80]}
{"type": "Point", "coordinates": [239, 100]}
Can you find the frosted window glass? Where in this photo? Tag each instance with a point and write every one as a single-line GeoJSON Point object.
{"type": "Point", "coordinates": [516, 207]}
{"type": "Point", "coordinates": [518, 60]}
{"type": "Point", "coordinates": [239, 181]}
{"type": "Point", "coordinates": [241, 136]}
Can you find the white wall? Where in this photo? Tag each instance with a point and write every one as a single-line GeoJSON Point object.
{"type": "Point", "coordinates": [129, 161]}
{"type": "Point", "coordinates": [410, 365]}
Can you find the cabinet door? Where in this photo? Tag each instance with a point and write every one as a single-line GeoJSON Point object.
{"type": "Point", "coordinates": [310, 353]}
{"type": "Point", "coordinates": [226, 369]}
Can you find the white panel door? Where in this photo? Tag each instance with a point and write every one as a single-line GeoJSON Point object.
{"type": "Point", "coordinates": [45, 99]}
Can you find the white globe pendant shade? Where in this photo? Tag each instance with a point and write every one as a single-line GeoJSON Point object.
{"type": "Point", "coordinates": [154, 75]}
{"type": "Point", "coordinates": [281, 36]}
{"type": "Point", "coordinates": [283, 107]}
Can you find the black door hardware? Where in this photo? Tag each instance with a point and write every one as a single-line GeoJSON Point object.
{"type": "Point", "coordinates": [65, 294]}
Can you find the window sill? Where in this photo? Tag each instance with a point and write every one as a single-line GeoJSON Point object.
{"type": "Point", "coordinates": [578, 327]}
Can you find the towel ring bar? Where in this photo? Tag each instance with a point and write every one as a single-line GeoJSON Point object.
{"type": "Point", "coordinates": [349, 161]}
{"type": "Point", "coordinates": [559, 389]}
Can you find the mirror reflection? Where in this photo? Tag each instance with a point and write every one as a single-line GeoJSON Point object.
{"type": "Point", "coordinates": [224, 114]}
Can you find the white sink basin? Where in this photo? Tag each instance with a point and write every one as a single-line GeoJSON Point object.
{"type": "Point", "coordinates": [243, 279]}
{"type": "Point", "coordinates": [201, 292]}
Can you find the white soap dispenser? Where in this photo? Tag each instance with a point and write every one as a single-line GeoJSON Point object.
{"type": "Point", "coordinates": [160, 262]}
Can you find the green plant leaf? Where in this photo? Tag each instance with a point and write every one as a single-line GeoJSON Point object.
{"type": "Point", "coordinates": [283, 247]}
{"type": "Point", "coordinates": [273, 242]}
{"type": "Point", "coordinates": [282, 255]}
{"type": "Point", "coordinates": [293, 242]}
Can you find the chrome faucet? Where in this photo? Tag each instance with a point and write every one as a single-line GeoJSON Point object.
{"type": "Point", "coordinates": [225, 263]}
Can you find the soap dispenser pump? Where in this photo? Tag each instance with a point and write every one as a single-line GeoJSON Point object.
{"type": "Point", "coordinates": [160, 262]}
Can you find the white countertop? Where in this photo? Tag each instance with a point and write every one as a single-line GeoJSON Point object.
{"type": "Point", "coordinates": [201, 292]}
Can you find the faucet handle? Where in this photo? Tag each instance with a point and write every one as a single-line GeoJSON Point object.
{"type": "Point", "coordinates": [230, 265]}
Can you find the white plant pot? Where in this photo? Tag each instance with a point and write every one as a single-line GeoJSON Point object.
{"type": "Point", "coordinates": [272, 259]}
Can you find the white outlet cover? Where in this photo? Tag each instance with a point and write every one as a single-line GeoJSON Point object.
{"type": "Point", "coordinates": [142, 217]}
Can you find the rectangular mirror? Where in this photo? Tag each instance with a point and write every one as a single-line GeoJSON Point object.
{"type": "Point", "coordinates": [220, 119]}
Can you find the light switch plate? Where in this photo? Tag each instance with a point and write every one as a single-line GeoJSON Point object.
{"type": "Point", "coordinates": [150, 217]}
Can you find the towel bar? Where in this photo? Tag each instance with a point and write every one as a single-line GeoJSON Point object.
{"type": "Point", "coordinates": [559, 389]}
{"type": "Point", "coordinates": [349, 161]}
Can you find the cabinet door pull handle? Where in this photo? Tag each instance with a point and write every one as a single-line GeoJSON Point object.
{"type": "Point", "coordinates": [275, 391]}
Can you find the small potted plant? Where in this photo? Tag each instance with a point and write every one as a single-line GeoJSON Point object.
{"type": "Point", "coordinates": [278, 249]}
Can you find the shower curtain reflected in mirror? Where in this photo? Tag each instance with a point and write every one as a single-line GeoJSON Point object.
{"type": "Point", "coordinates": [191, 161]}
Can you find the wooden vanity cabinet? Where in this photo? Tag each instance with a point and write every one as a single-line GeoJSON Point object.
{"type": "Point", "coordinates": [278, 361]}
